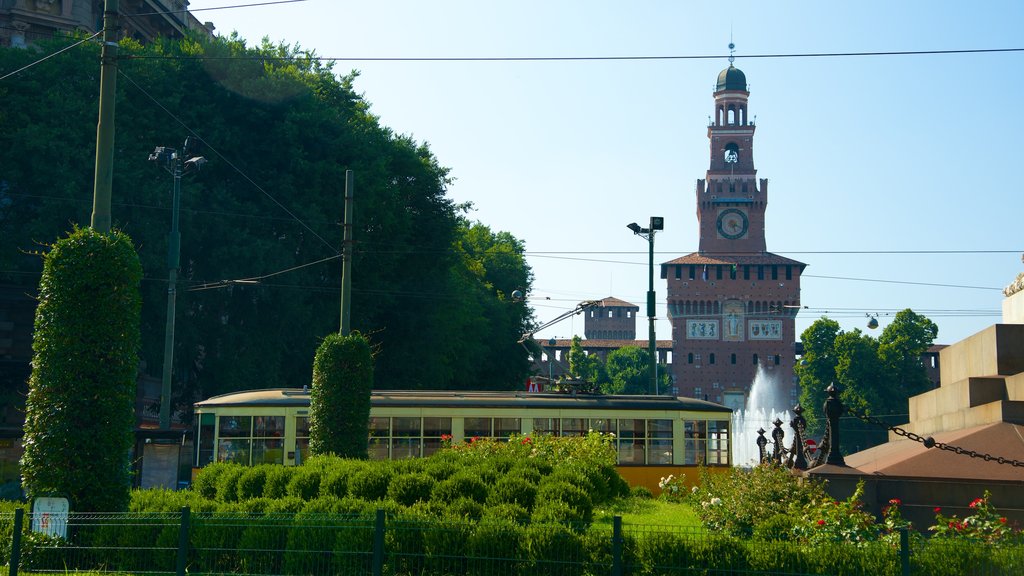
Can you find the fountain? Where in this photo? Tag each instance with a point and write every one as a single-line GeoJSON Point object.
{"type": "Point", "coordinates": [766, 402]}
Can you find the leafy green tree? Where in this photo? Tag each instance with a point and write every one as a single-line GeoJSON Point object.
{"type": "Point", "coordinates": [629, 371]}
{"type": "Point", "coordinates": [900, 347]}
{"type": "Point", "coordinates": [875, 376]}
{"type": "Point", "coordinates": [583, 366]}
{"type": "Point", "coordinates": [430, 290]}
{"type": "Point", "coordinates": [339, 400]}
{"type": "Point", "coordinates": [79, 414]}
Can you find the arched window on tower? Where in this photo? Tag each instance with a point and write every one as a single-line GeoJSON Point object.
{"type": "Point", "coordinates": [732, 114]}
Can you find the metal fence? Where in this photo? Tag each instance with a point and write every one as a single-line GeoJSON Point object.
{"type": "Point", "coordinates": [395, 545]}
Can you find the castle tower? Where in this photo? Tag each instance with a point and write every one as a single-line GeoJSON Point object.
{"type": "Point", "coordinates": [611, 319]}
{"type": "Point", "coordinates": [732, 304]}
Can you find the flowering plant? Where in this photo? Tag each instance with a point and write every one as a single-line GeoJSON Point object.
{"type": "Point", "coordinates": [673, 488]}
{"type": "Point", "coordinates": [829, 520]}
{"type": "Point", "coordinates": [985, 524]}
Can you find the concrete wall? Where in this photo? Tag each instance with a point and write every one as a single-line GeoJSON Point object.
{"type": "Point", "coordinates": [995, 351]}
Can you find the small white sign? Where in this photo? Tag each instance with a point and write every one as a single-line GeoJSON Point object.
{"type": "Point", "coordinates": [50, 516]}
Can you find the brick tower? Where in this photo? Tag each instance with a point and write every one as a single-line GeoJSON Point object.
{"type": "Point", "coordinates": [732, 304]}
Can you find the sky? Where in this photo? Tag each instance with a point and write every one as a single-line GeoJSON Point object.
{"type": "Point", "coordinates": [890, 176]}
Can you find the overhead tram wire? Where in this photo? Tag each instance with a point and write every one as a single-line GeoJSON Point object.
{"type": "Point", "coordinates": [586, 58]}
{"type": "Point", "coordinates": [229, 162]}
{"type": "Point", "coordinates": [45, 58]}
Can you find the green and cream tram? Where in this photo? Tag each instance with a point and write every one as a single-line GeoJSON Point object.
{"type": "Point", "coordinates": [654, 435]}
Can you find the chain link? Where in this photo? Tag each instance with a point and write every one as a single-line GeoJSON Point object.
{"type": "Point", "coordinates": [930, 442]}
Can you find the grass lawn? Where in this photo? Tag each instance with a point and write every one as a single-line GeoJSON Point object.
{"type": "Point", "coordinates": [647, 512]}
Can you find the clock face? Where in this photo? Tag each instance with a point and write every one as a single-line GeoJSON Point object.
{"type": "Point", "coordinates": [732, 223]}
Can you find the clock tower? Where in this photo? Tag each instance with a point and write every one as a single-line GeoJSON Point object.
{"type": "Point", "coordinates": [732, 304]}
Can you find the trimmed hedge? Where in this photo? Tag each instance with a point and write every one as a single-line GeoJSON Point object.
{"type": "Point", "coordinates": [339, 400]}
{"type": "Point", "coordinates": [80, 410]}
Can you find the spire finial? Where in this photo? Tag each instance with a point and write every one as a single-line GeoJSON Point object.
{"type": "Point", "coordinates": [732, 50]}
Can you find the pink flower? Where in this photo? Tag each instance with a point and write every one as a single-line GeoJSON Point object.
{"type": "Point", "coordinates": [937, 510]}
{"type": "Point", "coordinates": [475, 439]}
{"type": "Point", "coordinates": [821, 522]}
{"type": "Point", "coordinates": [895, 502]}
{"type": "Point", "coordinates": [527, 440]}
{"type": "Point", "coordinates": [976, 502]}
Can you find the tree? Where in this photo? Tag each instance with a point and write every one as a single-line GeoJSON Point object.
{"type": "Point", "coordinates": [339, 400]}
{"type": "Point", "coordinates": [629, 371]}
{"type": "Point", "coordinates": [900, 347]}
{"type": "Point", "coordinates": [875, 376]}
{"type": "Point", "coordinates": [79, 414]}
{"type": "Point", "coordinates": [583, 366]}
{"type": "Point", "coordinates": [430, 290]}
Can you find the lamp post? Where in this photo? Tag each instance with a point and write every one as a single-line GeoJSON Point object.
{"type": "Point", "coordinates": [173, 162]}
{"type": "Point", "coordinates": [656, 223]}
{"type": "Point", "coordinates": [551, 359]}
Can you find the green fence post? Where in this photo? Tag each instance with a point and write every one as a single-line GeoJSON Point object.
{"type": "Point", "coordinates": [378, 544]}
{"type": "Point", "coordinates": [905, 550]}
{"type": "Point", "coordinates": [617, 546]}
{"type": "Point", "coordinates": [16, 542]}
{"type": "Point", "coordinates": [183, 541]}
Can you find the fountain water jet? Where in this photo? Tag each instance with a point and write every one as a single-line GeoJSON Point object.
{"type": "Point", "coordinates": [766, 402]}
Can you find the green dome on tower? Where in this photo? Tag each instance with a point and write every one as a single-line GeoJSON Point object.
{"type": "Point", "coordinates": [732, 78]}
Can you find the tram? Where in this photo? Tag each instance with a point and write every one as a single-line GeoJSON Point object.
{"type": "Point", "coordinates": [654, 435]}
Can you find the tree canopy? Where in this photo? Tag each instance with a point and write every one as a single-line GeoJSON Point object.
{"type": "Point", "coordinates": [430, 288]}
{"type": "Point", "coordinates": [875, 376]}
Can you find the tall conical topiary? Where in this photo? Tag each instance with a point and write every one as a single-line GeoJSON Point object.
{"type": "Point", "coordinates": [339, 400]}
{"type": "Point", "coordinates": [80, 413]}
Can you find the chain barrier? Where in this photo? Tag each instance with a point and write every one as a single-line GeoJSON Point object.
{"type": "Point", "coordinates": [930, 442]}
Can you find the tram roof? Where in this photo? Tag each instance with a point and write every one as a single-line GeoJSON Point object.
{"type": "Point", "coordinates": [461, 398]}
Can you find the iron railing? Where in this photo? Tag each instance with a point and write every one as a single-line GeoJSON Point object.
{"type": "Point", "coordinates": [403, 545]}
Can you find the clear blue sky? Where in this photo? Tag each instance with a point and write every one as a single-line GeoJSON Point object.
{"type": "Point", "coordinates": [864, 153]}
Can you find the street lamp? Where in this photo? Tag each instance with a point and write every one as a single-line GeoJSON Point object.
{"type": "Point", "coordinates": [551, 359]}
{"type": "Point", "coordinates": [657, 223]}
{"type": "Point", "coordinates": [177, 164]}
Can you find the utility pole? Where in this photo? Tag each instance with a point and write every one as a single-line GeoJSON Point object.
{"type": "Point", "coordinates": [346, 258]}
{"type": "Point", "coordinates": [176, 165]}
{"type": "Point", "coordinates": [103, 175]}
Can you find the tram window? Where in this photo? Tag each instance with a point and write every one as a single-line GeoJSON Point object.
{"type": "Point", "coordinates": [268, 441]}
{"type": "Point", "coordinates": [602, 425]}
{"type": "Point", "coordinates": [477, 427]}
{"type": "Point", "coordinates": [235, 426]}
{"type": "Point", "coordinates": [205, 439]}
{"type": "Point", "coordinates": [632, 442]}
{"type": "Point", "coordinates": [235, 441]}
{"type": "Point", "coordinates": [405, 438]}
{"type": "Point", "coordinates": [695, 442]}
{"type": "Point", "coordinates": [504, 427]}
{"type": "Point", "coordinates": [433, 430]}
{"type": "Point", "coordinates": [718, 442]}
{"type": "Point", "coordinates": [301, 439]}
{"type": "Point", "coordinates": [545, 426]}
{"type": "Point", "coordinates": [574, 426]}
{"type": "Point", "coordinates": [660, 434]}
{"type": "Point", "coordinates": [380, 431]}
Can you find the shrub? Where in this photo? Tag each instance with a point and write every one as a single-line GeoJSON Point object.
{"type": "Point", "coordinates": [641, 492]}
{"type": "Point", "coordinates": [513, 490]}
{"type": "Point", "coordinates": [85, 359]}
{"type": "Point", "coordinates": [276, 484]}
{"type": "Point", "coordinates": [984, 524]}
{"type": "Point", "coordinates": [552, 490]}
{"type": "Point", "coordinates": [496, 547]}
{"type": "Point", "coordinates": [777, 528]}
{"type": "Point", "coordinates": [253, 482]}
{"type": "Point", "coordinates": [304, 483]}
{"type": "Point", "coordinates": [828, 520]}
{"type": "Point", "coordinates": [227, 483]}
{"type": "Point", "coordinates": [339, 400]}
{"type": "Point", "coordinates": [335, 483]}
{"type": "Point", "coordinates": [462, 485]}
{"type": "Point", "coordinates": [507, 511]}
{"type": "Point", "coordinates": [526, 472]}
{"type": "Point", "coordinates": [554, 549]}
{"type": "Point", "coordinates": [556, 512]}
{"type": "Point", "coordinates": [205, 483]}
{"type": "Point", "coordinates": [735, 501]}
{"type": "Point", "coordinates": [465, 508]}
{"type": "Point", "coordinates": [370, 483]}
{"type": "Point", "coordinates": [408, 489]}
